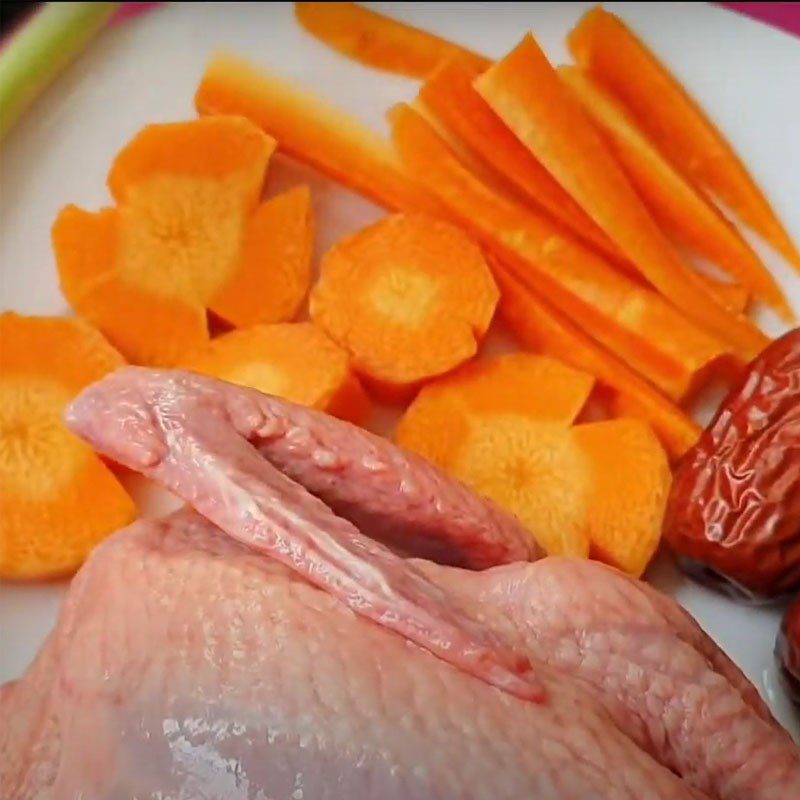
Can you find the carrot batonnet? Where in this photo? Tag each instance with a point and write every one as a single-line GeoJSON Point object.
{"type": "Point", "coordinates": [186, 237]}
{"type": "Point", "coordinates": [448, 94]}
{"type": "Point", "coordinates": [630, 319]}
{"type": "Point", "coordinates": [312, 131]}
{"type": "Point", "coordinates": [379, 41]}
{"type": "Point", "coordinates": [489, 425]}
{"type": "Point", "coordinates": [57, 498]}
{"type": "Point", "coordinates": [526, 92]}
{"type": "Point", "coordinates": [541, 328]}
{"type": "Point", "coordinates": [676, 204]}
{"type": "Point", "coordinates": [273, 273]}
{"type": "Point", "coordinates": [605, 46]}
{"type": "Point", "coordinates": [409, 297]}
{"type": "Point", "coordinates": [295, 361]}
{"type": "Point", "coordinates": [735, 296]}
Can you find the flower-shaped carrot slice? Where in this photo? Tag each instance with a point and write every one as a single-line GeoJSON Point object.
{"type": "Point", "coordinates": [187, 235]}
{"type": "Point", "coordinates": [296, 361]}
{"type": "Point", "coordinates": [410, 297]}
{"type": "Point", "coordinates": [503, 427]}
{"type": "Point", "coordinates": [57, 499]}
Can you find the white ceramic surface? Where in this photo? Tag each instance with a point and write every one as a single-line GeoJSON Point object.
{"type": "Point", "coordinates": [744, 73]}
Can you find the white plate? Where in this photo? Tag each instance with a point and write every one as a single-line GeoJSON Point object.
{"type": "Point", "coordinates": [744, 73]}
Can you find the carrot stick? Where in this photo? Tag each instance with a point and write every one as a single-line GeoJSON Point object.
{"type": "Point", "coordinates": [296, 361]}
{"type": "Point", "coordinates": [628, 481]}
{"type": "Point", "coordinates": [410, 298]}
{"type": "Point", "coordinates": [609, 50]}
{"type": "Point", "coordinates": [526, 92]}
{"type": "Point", "coordinates": [631, 320]}
{"type": "Point", "coordinates": [675, 203]}
{"type": "Point", "coordinates": [449, 95]}
{"type": "Point", "coordinates": [273, 272]}
{"type": "Point", "coordinates": [58, 500]}
{"type": "Point", "coordinates": [379, 41]}
{"type": "Point", "coordinates": [733, 295]}
{"type": "Point", "coordinates": [538, 326]}
{"type": "Point", "coordinates": [311, 131]}
{"type": "Point", "coordinates": [519, 454]}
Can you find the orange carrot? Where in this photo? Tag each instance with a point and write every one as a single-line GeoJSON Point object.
{"type": "Point", "coordinates": [188, 235]}
{"type": "Point", "coordinates": [628, 318]}
{"type": "Point", "coordinates": [491, 425]}
{"type": "Point", "coordinates": [735, 297]}
{"type": "Point", "coordinates": [539, 327]}
{"type": "Point", "coordinates": [526, 92]}
{"type": "Point", "coordinates": [274, 266]}
{"type": "Point", "coordinates": [409, 297]}
{"type": "Point", "coordinates": [449, 95]}
{"type": "Point", "coordinates": [628, 480]}
{"type": "Point", "coordinates": [609, 50]}
{"type": "Point", "coordinates": [57, 499]}
{"type": "Point", "coordinates": [603, 483]}
{"type": "Point", "coordinates": [683, 211]}
{"type": "Point", "coordinates": [311, 131]}
{"type": "Point", "coordinates": [379, 41]}
{"type": "Point", "coordinates": [296, 361]}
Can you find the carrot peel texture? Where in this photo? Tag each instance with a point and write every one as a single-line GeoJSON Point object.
{"type": "Point", "coordinates": [410, 297]}
{"type": "Point", "coordinates": [57, 498]}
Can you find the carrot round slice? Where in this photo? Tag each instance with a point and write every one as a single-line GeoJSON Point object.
{"type": "Point", "coordinates": [273, 273]}
{"type": "Point", "coordinates": [526, 92]}
{"type": "Point", "coordinates": [604, 45]}
{"type": "Point", "coordinates": [409, 297]}
{"type": "Point", "coordinates": [629, 480]}
{"type": "Point", "coordinates": [57, 499]}
{"type": "Point", "coordinates": [677, 205]}
{"type": "Point", "coordinates": [225, 148]}
{"type": "Point", "coordinates": [502, 426]}
{"type": "Point", "coordinates": [296, 361]}
{"type": "Point", "coordinates": [379, 41]}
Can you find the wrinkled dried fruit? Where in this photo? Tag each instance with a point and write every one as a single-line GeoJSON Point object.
{"type": "Point", "coordinates": [787, 651]}
{"type": "Point", "coordinates": [733, 516]}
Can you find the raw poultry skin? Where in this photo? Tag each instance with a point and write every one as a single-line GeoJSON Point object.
{"type": "Point", "coordinates": [187, 665]}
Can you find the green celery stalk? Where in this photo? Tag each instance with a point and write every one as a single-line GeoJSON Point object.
{"type": "Point", "coordinates": [35, 55]}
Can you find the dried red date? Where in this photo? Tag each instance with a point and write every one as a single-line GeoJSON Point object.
{"type": "Point", "coordinates": [787, 651]}
{"type": "Point", "coordinates": [733, 517]}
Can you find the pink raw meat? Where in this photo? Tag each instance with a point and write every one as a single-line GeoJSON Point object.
{"type": "Point", "coordinates": [187, 664]}
{"type": "Point", "coordinates": [194, 434]}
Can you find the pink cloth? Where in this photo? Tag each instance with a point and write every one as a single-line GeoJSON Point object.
{"type": "Point", "coordinates": [785, 16]}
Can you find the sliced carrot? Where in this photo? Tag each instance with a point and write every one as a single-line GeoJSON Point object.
{"type": "Point", "coordinates": [296, 361]}
{"type": "Point", "coordinates": [526, 92]}
{"type": "Point", "coordinates": [409, 297]}
{"type": "Point", "coordinates": [675, 203]}
{"type": "Point", "coordinates": [185, 236]}
{"type": "Point", "coordinates": [632, 320]}
{"type": "Point", "coordinates": [735, 297]}
{"type": "Point", "coordinates": [628, 482]}
{"type": "Point", "coordinates": [604, 45]}
{"type": "Point", "coordinates": [379, 41]}
{"type": "Point", "coordinates": [220, 149]}
{"type": "Point", "coordinates": [312, 131]}
{"type": "Point", "coordinates": [502, 426]}
{"type": "Point", "coordinates": [57, 499]}
{"type": "Point", "coordinates": [273, 274]}
{"type": "Point", "coordinates": [150, 326]}
{"type": "Point", "coordinates": [450, 96]}
{"type": "Point", "coordinates": [600, 484]}
{"type": "Point", "coordinates": [538, 326]}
